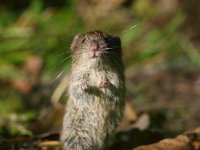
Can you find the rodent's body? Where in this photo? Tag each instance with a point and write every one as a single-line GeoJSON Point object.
{"type": "Point", "coordinates": [96, 93]}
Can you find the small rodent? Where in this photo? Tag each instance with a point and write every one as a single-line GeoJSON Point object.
{"type": "Point", "coordinates": [96, 92]}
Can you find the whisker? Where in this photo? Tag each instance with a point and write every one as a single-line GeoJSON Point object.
{"type": "Point", "coordinates": [132, 27]}
{"type": "Point", "coordinates": [58, 76]}
{"type": "Point", "coordinates": [63, 70]}
{"type": "Point", "coordinates": [65, 60]}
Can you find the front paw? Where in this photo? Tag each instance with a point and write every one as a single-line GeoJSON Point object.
{"type": "Point", "coordinates": [104, 84]}
{"type": "Point", "coordinates": [84, 86]}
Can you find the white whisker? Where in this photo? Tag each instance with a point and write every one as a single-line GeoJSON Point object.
{"type": "Point", "coordinates": [58, 76]}
{"type": "Point", "coordinates": [129, 28]}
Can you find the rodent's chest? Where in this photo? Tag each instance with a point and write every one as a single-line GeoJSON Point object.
{"type": "Point", "coordinates": [94, 78]}
{"type": "Point", "coordinates": [91, 84]}
{"type": "Point", "coordinates": [102, 79]}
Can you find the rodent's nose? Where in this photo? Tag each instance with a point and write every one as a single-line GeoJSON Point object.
{"type": "Point", "coordinates": [94, 46]}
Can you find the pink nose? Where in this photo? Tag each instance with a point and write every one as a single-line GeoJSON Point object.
{"type": "Point", "coordinates": [94, 46]}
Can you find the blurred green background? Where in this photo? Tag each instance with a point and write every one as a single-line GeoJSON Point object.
{"type": "Point", "coordinates": [161, 52]}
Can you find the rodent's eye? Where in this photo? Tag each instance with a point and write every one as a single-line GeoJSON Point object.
{"type": "Point", "coordinates": [83, 40]}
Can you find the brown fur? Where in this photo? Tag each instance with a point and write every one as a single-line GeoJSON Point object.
{"type": "Point", "coordinates": [96, 93]}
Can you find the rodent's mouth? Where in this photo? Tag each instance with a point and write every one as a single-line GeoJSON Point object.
{"type": "Point", "coordinates": [95, 55]}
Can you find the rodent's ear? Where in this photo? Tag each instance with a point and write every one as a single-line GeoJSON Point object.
{"type": "Point", "coordinates": [116, 40]}
{"type": "Point", "coordinates": [74, 42]}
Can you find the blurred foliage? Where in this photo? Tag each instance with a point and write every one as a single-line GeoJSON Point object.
{"type": "Point", "coordinates": [155, 35]}
{"type": "Point", "coordinates": [34, 30]}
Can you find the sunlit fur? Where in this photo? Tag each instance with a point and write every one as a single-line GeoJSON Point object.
{"type": "Point", "coordinates": [96, 93]}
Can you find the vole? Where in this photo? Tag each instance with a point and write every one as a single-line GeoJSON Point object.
{"type": "Point", "coordinates": [96, 92]}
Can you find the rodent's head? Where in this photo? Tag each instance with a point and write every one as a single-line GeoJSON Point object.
{"type": "Point", "coordinates": [95, 47]}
